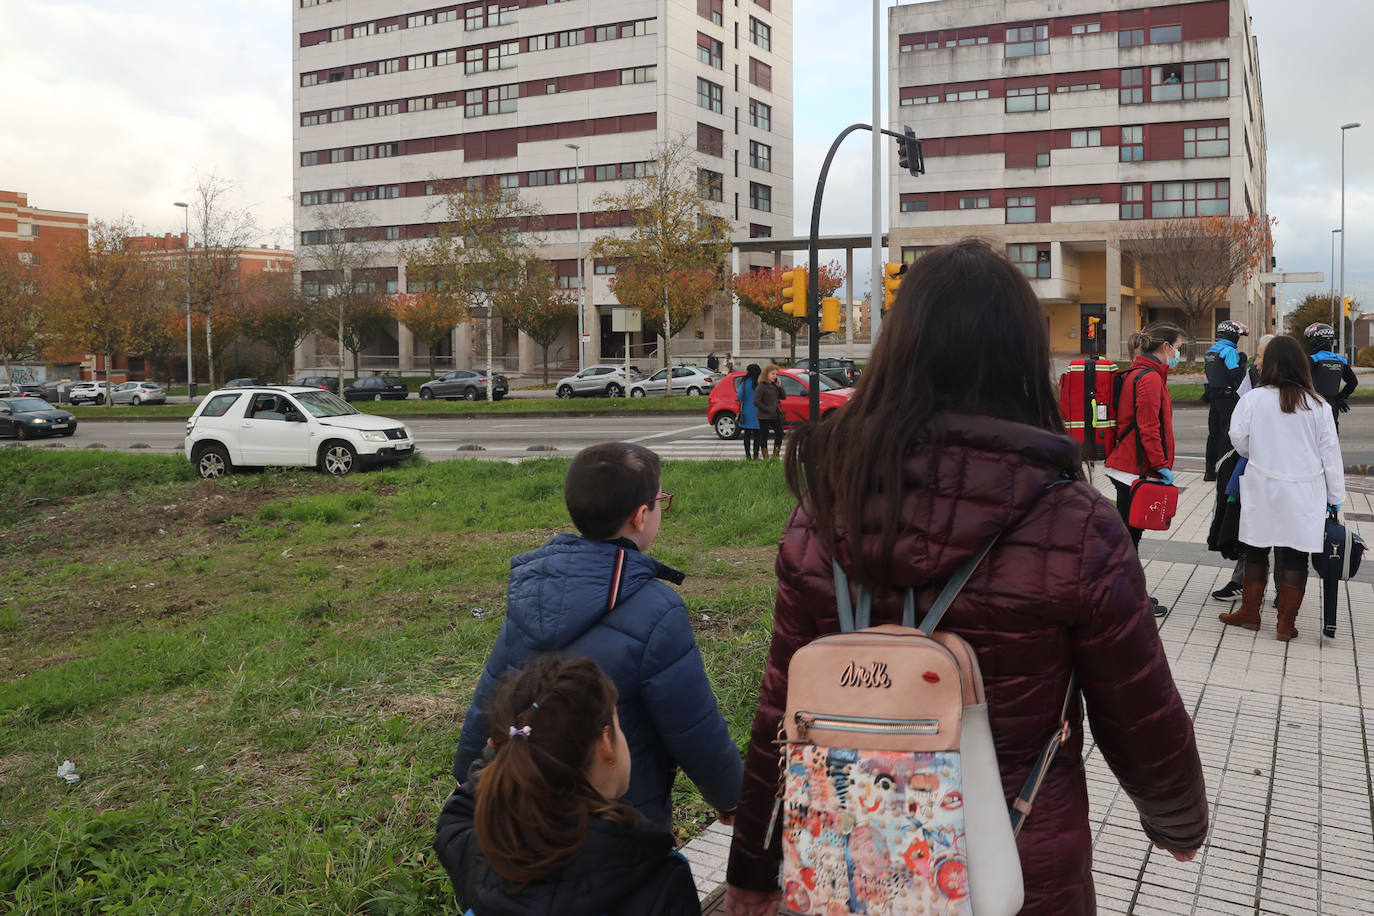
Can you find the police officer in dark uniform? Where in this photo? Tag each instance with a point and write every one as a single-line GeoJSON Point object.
{"type": "Point", "coordinates": [1331, 374]}
{"type": "Point", "coordinates": [1224, 365]}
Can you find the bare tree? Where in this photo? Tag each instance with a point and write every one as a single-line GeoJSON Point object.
{"type": "Point", "coordinates": [341, 249]}
{"type": "Point", "coordinates": [1194, 261]}
{"type": "Point", "coordinates": [222, 232]}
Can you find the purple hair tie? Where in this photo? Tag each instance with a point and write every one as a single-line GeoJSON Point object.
{"type": "Point", "coordinates": [521, 732]}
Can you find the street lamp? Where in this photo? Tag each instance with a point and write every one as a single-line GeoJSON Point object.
{"type": "Point", "coordinates": [581, 285]}
{"type": "Point", "coordinates": [1332, 297]}
{"type": "Point", "coordinates": [1341, 311]}
{"type": "Point", "coordinates": [186, 236]}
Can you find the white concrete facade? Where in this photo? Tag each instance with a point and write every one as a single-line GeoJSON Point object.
{"type": "Point", "coordinates": [1067, 151]}
{"type": "Point", "coordinates": [625, 83]}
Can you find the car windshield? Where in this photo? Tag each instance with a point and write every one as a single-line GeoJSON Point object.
{"type": "Point", "coordinates": [29, 405]}
{"type": "Point", "coordinates": [826, 383]}
{"type": "Point", "coordinates": [323, 404]}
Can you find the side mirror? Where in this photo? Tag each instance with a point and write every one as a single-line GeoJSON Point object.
{"type": "Point", "coordinates": [294, 417]}
{"type": "Point", "coordinates": [6, 411]}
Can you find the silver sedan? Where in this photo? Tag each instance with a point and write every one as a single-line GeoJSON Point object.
{"type": "Point", "coordinates": [136, 393]}
{"type": "Point", "coordinates": [688, 380]}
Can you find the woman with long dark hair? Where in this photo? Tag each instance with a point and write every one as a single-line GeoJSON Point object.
{"type": "Point", "coordinates": [1294, 472]}
{"type": "Point", "coordinates": [748, 419]}
{"type": "Point", "coordinates": [550, 836]}
{"type": "Point", "coordinates": [953, 438]}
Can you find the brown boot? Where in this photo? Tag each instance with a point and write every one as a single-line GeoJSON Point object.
{"type": "Point", "coordinates": [1290, 599]}
{"type": "Point", "coordinates": [775, 451]}
{"type": "Point", "coordinates": [1252, 596]}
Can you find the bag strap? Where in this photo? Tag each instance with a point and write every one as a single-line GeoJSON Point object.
{"type": "Point", "coordinates": [1025, 799]}
{"type": "Point", "coordinates": [952, 589]}
{"type": "Point", "coordinates": [858, 614]}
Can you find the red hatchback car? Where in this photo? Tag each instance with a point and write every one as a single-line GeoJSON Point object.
{"type": "Point", "coordinates": [723, 409]}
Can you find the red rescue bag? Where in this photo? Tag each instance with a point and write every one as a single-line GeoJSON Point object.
{"type": "Point", "coordinates": [1087, 399]}
{"type": "Point", "coordinates": [1153, 504]}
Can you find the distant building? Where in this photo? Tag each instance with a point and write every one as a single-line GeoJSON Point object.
{"type": "Point", "coordinates": [1050, 129]}
{"type": "Point", "coordinates": [392, 100]}
{"type": "Point", "coordinates": [38, 235]}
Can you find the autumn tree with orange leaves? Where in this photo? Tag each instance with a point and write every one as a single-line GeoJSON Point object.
{"type": "Point", "coordinates": [1194, 261]}
{"type": "Point", "coordinates": [272, 310]}
{"type": "Point", "coordinates": [22, 316]}
{"type": "Point", "coordinates": [538, 306]}
{"type": "Point", "coordinates": [430, 316]}
{"type": "Point", "coordinates": [760, 291]}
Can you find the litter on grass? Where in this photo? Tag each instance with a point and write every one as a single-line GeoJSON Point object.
{"type": "Point", "coordinates": [68, 772]}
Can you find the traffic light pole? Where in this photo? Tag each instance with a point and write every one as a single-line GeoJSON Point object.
{"type": "Point", "coordinates": [813, 297]}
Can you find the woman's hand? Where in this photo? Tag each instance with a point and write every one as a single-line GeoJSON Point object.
{"type": "Point", "coordinates": [1181, 856]}
{"type": "Point", "coordinates": [741, 902]}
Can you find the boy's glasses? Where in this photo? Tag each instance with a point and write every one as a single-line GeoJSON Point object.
{"type": "Point", "coordinates": [666, 501]}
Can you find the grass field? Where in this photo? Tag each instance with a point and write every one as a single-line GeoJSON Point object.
{"type": "Point", "coordinates": [261, 680]}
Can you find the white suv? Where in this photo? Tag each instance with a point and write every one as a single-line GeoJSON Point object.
{"type": "Point", "coordinates": [289, 426]}
{"type": "Point", "coordinates": [93, 392]}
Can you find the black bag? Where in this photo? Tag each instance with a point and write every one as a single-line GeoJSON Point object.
{"type": "Point", "coordinates": [1342, 551]}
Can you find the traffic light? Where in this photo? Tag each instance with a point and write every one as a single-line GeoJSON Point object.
{"type": "Point", "coordinates": [1092, 326]}
{"type": "Point", "coordinates": [1347, 306]}
{"type": "Point", "coordinates": [892, 278]}
{"type": "Point", "coordinates": [794, 292]}
{"type": "Point", "coordinates": [830, 315]}
{"type": "Point", "coordinates": [909, 154]}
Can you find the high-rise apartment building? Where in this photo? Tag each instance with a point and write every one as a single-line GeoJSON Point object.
{"type": "Point", "coordinates": [391, 100]}
{"type": "Point", "coordinates": [1051, 130]}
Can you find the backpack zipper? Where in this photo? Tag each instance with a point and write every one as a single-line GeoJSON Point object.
{"type": "Point", "coordinates": [807, 721]}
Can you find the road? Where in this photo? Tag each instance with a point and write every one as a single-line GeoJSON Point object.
{"type": "Point", "coordinates": [682, 437]}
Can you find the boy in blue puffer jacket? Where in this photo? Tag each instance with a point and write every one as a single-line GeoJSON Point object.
{"type": "Point", "coordinates": [597, 594]}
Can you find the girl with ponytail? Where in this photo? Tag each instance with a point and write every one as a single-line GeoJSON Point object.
{"type": "Point", "coordinates": [549, 835]}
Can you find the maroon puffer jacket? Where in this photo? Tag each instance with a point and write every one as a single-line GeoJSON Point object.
{"type": "Point", "coordinates": [1061, 590]}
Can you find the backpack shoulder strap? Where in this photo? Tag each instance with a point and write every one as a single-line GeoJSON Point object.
{"type": "Point", "coordinates": [952, 589]}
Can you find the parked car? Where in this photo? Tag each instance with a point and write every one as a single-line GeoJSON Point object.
{"type": "Point", "coordinates": [244, 383]}
{"type": "Point", "coordinates": [88, 392]}
{"type": "Point", "coordinates": [28, 417]}
{"type": "Point", "coordinates": [611, 381]}
{"type": "Point", "coordinates": [842, 371]}
{"type": "Point", "coordinates": [377, 388]}
{"type": "Point", "coordinates": [327, 382]}
{"type": "Point", "coordinates": [289, 426]}
{"type": "Point", "coordinates": [136, 393]}
{"type": "Point", "coordinates": [464, 383]}
{"type": "Point", "coordinates": [24, 390]}
{"type": "Point", "coordinates": [689, 380]}
{"type": "Point", "coordinates": [722, 411]}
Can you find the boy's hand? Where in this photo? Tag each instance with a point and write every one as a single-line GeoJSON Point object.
{"type": "Point", "coordinates": [740, 902]}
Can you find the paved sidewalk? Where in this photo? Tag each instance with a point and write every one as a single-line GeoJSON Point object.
{"type": "Point", "coordinates": [1282, 729]}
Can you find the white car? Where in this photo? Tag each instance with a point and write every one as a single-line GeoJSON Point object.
{"type": "Point", "coordinates": [612, 381]}
{"type": "Point", "coordinates": [92, 392]}
{"type": "Point", "coordinates": [289, 426]}
{"type": "Point", "coordinates": [689, 380]}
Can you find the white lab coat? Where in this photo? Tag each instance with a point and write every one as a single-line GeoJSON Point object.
{"type": "Point", "coordinates": [1295, 471]}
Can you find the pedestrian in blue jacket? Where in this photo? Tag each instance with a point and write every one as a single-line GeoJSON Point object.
{"type": "Point", "coordinates": [748, 419]}
{"type": "Point", "coordinates": [598, 595]}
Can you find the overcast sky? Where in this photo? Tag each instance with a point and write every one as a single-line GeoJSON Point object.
{"type": "Point", "coordinates": [113, 107]}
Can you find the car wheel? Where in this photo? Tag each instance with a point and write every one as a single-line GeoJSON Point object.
{"type": "Point", "coordinates": [426, 394]}
{"type": "Point", "coordinates": [68, 432]}
{"type": "Point", "coordinates": [497, 397]}
{"type": "Point", "coordinates": [565, 391]}
{"type": "Point", "coordinates": [99, 399]}
{"type": "Point", "coordinates": [726, 425]}
{"type": "Point", "coordinates": [470, 393]}
{"type": "Point", "coordinates": [213, 462]}
{"type": "Point", "coordinates": [136, 401]}
{"type": "Point", "coordinates": [376, 397]}
{"type": "Point", "coordinates": [614, 391]}
{"type": "Point", "coordinates": [693, 392]}
{"type": "Point", "coordinates": [637, 392]}
{"type": "Point", "coordinates": [337, 458]}
{"type": "Point", "coordinates": [21, 431]}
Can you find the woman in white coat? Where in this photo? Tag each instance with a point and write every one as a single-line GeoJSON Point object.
{"type": "Point", "coordinates": [1294, 472]}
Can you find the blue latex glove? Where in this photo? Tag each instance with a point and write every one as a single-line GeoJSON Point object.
{"type": "Point", "coordinates": [1333, 509]}
{"type": "Point", "coordinates": [1165, 475]}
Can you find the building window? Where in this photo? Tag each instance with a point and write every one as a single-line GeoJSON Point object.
{"type": "Point", "coordinates": [362, 31]}
{"type": "Point", "coordinates": [490, 101]}
{"type": "Point", "coordinates": [1133, 143]}
{"type": "Point", "coordinates": [713, 10]}
{"type": "Point", "coordinates": [1042, 160]}
{"type": "Point", "coordinates": [710, 95]}
{"type": "Point", "coordinates": [913, 253]}
{"type": "Point", "coordinates": [1206, 81]}
{"type": "Point", "coordinates": [1204, 142]}
{"type": "Point", "coordinates": [311, 158]}
{"type": "Point", "coordinates": [1028, 98]}
{"type": "Point", "coordinates": [711, 185]}
{"type": "Point", "coordinates": [710, 51]}
{"type": "Point", "coordinates": [420, 103]}
{"type": "Point", "coordinates": [975, 203]}
{"type": "Point", "coordinates": [1130, 38]}
{"type": "Point", "coordinates": [419, 19]}
{"type": "Point", "coordinates": [710, 140]}
{"type": "Point", "coordinates": [760, 156]}
{"type": "Point", "coordinates": [1032, 260]}
{"type": "Point", "coordinates": [1189, 198]}
{"type": "Point", "coordinates": [503, 56]}
{"type": "Point", "coordinates": [760, 115]}
{"type": "Point", "coordinates": [920, 99]}
{"type": "Point", "coordinates": [1028, 40]}
{"type": "Point", "coordinates": [1080, 138]}
{"type": "Point", "coordinates": [760, 197]}
{"type": "Point", "coordinates": [964, 95]}
{"type": "Point", "coordinates": [605, 173]}
{"type": "Point", "coordinates": [760, 231]}
{"type": "Point", "coordinates": [1080, 201]}
{"type": "Point", "coordinates": [474, 61]}
{"type": "Point", "coordinates": [914, 206]}
{"type": "Point", "coordinates": [634, 75]}
{"type": "Point", "coordinates": [603, 269]}
{"type": "Point", "coordinates": [1086, 28]}
{"type": "Point", "coordinates": [760, 74]}
{"type": "Point", "coordinates": [1077, 87]}
{"type": "Point", "coordinates": [1021, 209]}
{"type": "Point", "coordinates": [761, 34]}
{"type": "Point", "coordinates": [385, 109]}
{"type": "Point", "coordinates": [393, 65]}
{"type": "Point", "coordinates": [1166, 34]}
{"type": "Point", "coordinates": [1132, 92]}
{"type": "Point", "coordinates": [1132, 201]}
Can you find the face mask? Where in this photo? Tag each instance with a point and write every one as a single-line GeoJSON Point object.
{"type": "Point", "coordinates": [1173, 360]}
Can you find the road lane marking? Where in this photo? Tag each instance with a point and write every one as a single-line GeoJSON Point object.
{"type": "Point", "coordinates": [671, 432]}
